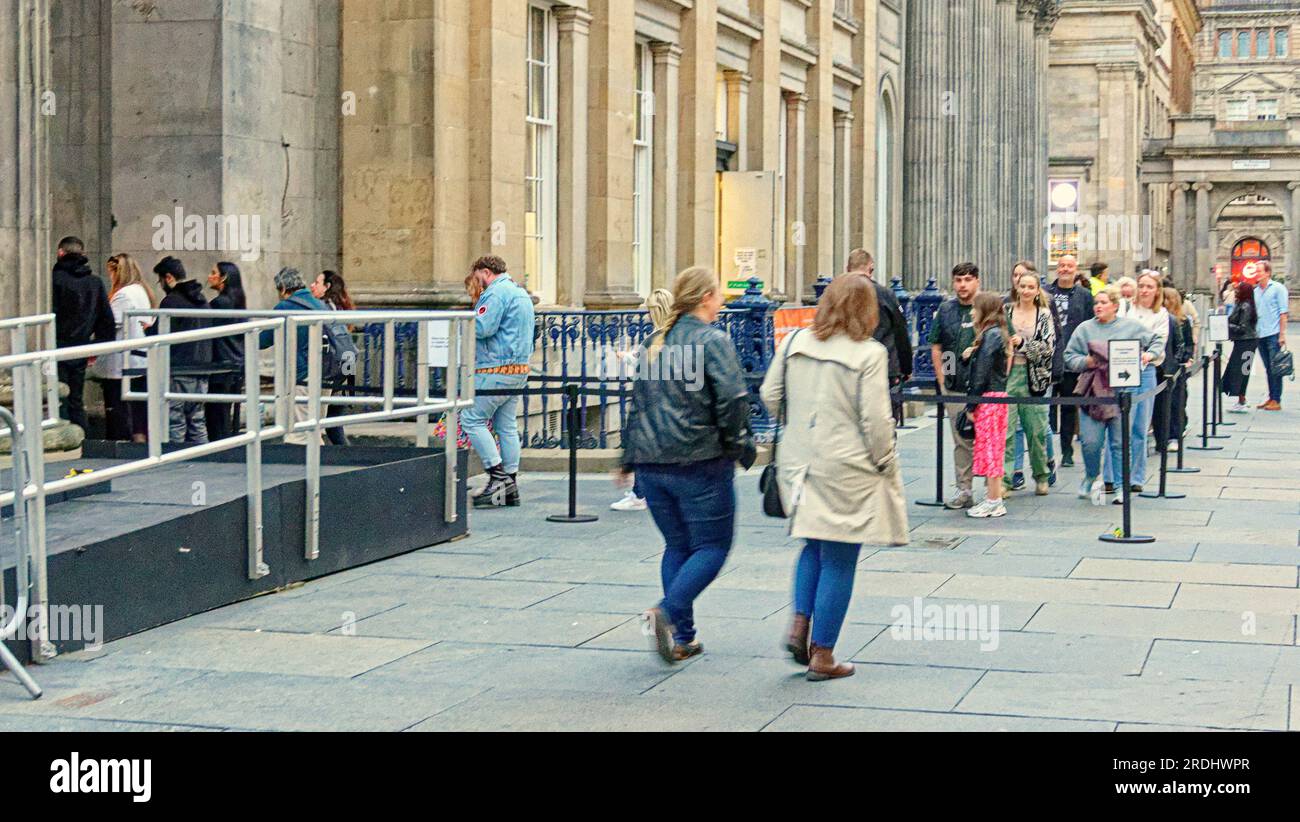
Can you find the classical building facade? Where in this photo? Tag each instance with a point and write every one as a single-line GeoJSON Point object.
{"type": "Point", "coordinates": [598, 145]}
{"type": "Point", "coordinates": [1232, 163]}
{"type": "Point", "coordinates": [1119, 70]}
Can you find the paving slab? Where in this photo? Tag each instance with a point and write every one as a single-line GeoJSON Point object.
{"type": "Point", "coordinates": [1204, 572]}
{"type": "Point", "coordinates": [1088, 592]}
{"type": "Point", "coordinates": [485, 625]}
{"type": "Point", "coordinates": [977, 564]}
{"type": "Point", "coordinates": [1163, 623]}
{"type": "Point", "coordinates": [811, 718]}
{"type": "Point", "coordinates": [1224, 661]}
{"type": "Point", "coordinates": [735, 637]}
{"type": "Point", "coordinates": [1010, 651]}
{"type": "Point", "coordinates": [1240, 598]}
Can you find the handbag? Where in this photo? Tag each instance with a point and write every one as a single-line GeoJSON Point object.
{"type": "Point", "coordinates": [767, 482]}
{"type": "Point", "coordinates": [1284, 364]}
{"type": "Point", "coordinates": [965, 423]}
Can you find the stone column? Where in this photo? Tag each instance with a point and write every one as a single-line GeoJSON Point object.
{"type": "Point", "coordinates": [1293, 238]}
{"type": "Point", "coordinates": [819, 191]}
{"type": "Point", "coordinates": [667, 60]}
{"type": "Point", "coordinates": [863, 206]}
{"type": "Point", "coordinates": [928, 98]}
{"type": "Point", "coordinates": [1051, 12]}
{"type": "Point", "coordinates": [697, 149]}
{"type": "Point", "coordinates": [1026, 137]}
{"type": "Point", "coordinates": [796, 237]}
{"type": "Point", "coordinates": [572, 67]}
{"type": "Point", "coordinates": [765, 103]}
{"type": "Point", "coordinates": [959, 125]}
{"type": "Point", "coordinates": [844, 194]}
{"type": "Point", "coordinates": [1180, 264]}
{"type": "Point", "coordinates": [25, 254]}
{"type": "Point", "coordinates": [738, 114]}
{"type": "Point", "coordinates": [1204, 253]}
{"type": "Point", "coordinates": [1008, 131]}
{"type": "Point", "coordinates": [984, 171]}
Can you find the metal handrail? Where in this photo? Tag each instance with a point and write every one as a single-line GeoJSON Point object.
{"type": "Point", "coordinates": [22, 561]}
{"type": "Point", "coordinates": [17, 328]}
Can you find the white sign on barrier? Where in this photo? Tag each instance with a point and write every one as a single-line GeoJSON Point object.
{"type": "Point", "coordinates": [1219, 328]}
{"type": "Point", "coordinates": [1125, 363]}
{"type": "Point", "coordinates": [439, 343]}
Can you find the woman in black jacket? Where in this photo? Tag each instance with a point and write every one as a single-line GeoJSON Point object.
{"type": "Point", "coordinates": [1241, 330]}
{"type": "Point", "coordinates": [688, 427]}
{"type": "Point", "coordinates": [227, 352]}
{"type": "Point", "coordinates": [1164, 419]}
{"type": "Point", "coordinates": [990, 358]}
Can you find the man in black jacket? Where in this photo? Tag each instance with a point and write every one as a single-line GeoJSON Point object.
{"type": "Point", "coordinates": [892, 332]}
{"type": "Point", "coordinates": [1072, 304]}
{"type": "Point", "coordinates": [81, 316]}
{"type": "Point", "coordinates": [186, 419]}
{"type": "Point", "coordinates": [952, 332]}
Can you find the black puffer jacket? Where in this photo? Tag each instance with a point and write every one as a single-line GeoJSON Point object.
{"type": "Point", "coordinates": [685, 410]}
{"type": "Point", "coordinates": [81, 311]}
{"type": "Point", "coordinates": [187, 294]}
{"type": "Point", "coordinates": [893, 334]}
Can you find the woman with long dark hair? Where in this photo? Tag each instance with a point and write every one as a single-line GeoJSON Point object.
{"type": "Point", "coordinates": [227, 352]}
{"type": "Point", "coordinates": [990, 359]}
{"type": "Point", "coordinates": [334, 293]}
{"type": "Point", "coordinates": [1241, 330]}
{"type": "Point", "coordinates": [687, 430]}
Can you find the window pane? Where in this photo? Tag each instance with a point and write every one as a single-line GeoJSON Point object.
{"type": "Point", "coordinates": [1281, 42]}
{"type": "Point", "coordinates": [1225, 44]}
{"type": "Point", "coordinates": [1243, 45]}
{"type": "Point", "coordinates": [537, 34]}
{"type": "Point", "coordinates": [1261, 44]}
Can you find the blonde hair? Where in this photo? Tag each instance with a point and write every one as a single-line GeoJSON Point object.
{"type": "Point", "coordinates": [1156, 301]}
{"type": "Point", "coordinates": [1123, 281]}
{"type": "Point", "coordinates": [659, 305]}
{"type": "Point", "coordinates": [1040, 299]}
{"type": "Point", "coordinates": [1112, 293]}
{"type": "Point", "coordinates": [689, 290]}
{"type": "Point", "coordinates": [1174, 303]}
{"type": "Point", "coordinates": [124, 271]}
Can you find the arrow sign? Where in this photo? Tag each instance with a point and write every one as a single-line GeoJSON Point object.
{"type": "Point", "coordinates": [1125, 363]}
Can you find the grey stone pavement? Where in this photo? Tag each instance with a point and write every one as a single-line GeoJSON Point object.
{"type": "Point", "coordinates": [529, 625]}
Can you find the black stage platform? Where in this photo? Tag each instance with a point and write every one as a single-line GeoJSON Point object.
{"type": "Point", "coordinates": [158, 547]}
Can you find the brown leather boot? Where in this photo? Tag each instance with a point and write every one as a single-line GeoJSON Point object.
{"type": "Point", "coordinates": [797, 642]}
{"type": "Point", "coordinates": [824, 666]}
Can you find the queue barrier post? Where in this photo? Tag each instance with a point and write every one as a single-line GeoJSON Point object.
{"type": "Point", "coordinates": [1163, 448]}
{"type": "Point", "coordinates": [571, 393]}
{"type": "Point", "coordinates": [938, 457]}
{"type": "Point", "coordinates": [1216, 405]}
{"type": "Point", "coordinates": [1125, 535]}
{"type": "Point", "coordinates": [1205, 409]}
{"type": "Point", "coordinates": [1182, 446]}
{"type": "Point", "coordinates": [1218, 394]}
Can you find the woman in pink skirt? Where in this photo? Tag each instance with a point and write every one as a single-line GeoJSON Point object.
{"type": "Point", "coordinates": [989, 357]}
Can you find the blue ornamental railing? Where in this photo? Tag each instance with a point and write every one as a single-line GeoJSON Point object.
{"type": "Point", "coordinates": [599, 347]}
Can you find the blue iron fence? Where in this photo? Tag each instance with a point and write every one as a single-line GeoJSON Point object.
{"type": "Point", "coordinates": [598, 346]}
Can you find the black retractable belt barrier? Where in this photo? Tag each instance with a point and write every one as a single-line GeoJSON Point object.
{"type": "Point", "coordinates": [1216, 407]}
{"type": "Point", "coordinates": [1218, 394]}
{"type": "Point", "coordinates": [1163, 447]}
{"type": "Point", "coordinates": [1182, 446]}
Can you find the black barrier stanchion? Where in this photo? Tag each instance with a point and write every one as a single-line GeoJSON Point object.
{"type": "Point", "coordinates": [571, 394]}
{"type": "Point", "coordinates": [1163, 447]}
{"type": "Point", "coordinates": [1126, 446]}
{"type": "Point", "coordinates": [938, 460]}
{"type": "Point", "coordinates": [1216, 407]}
{"type": "Point", "coordinates": [1182, 446]}
{"type": "Point", "coordinates": [1218, 393]}
{"type": "Point", "coordinates": [1205, 409]}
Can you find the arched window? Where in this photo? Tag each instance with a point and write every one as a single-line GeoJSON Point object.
{"type": "Point", "coordinates": [1281, 42]}
{"type": "Point", "coordinates": [1261, 44]}
{"type": "Point", "coordinates": [1243, 45]}
{"type": "Point", "coordinates": [1225, 44]}
{"type": "Point", "coordinates": [884, 185]}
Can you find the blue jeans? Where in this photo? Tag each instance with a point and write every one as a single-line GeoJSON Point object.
{"type": "Point", "coordinates": [1268, 349]}
{"type": "Point", "coordinates": [823, 585]}
{"type": "Point", "coordinates": [504, 414]}
{"type": "Point", "coordinates": [1094, 436]}
{"type": "Point", "coordinates": [1139, 422]}
{"type": "Point", "coordinates": [694, 507]}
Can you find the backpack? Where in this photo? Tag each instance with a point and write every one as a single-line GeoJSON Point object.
{"type": "Point", "coordinates": [339, 354]}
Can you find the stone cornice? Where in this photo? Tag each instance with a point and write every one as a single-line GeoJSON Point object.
{"type": "Point", "coordinates": [751, 27]}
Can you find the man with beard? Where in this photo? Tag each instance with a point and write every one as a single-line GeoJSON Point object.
{"type": "Point", "coordinates": [1072, 304]}
{"type": "Point", "coordinates": [81, 316]}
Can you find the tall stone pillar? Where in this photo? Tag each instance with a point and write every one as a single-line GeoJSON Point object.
{"type": "Point", "coordinates": [697, 149]}
{"type": "Point", "coordinates": [667, 62]}
{"type": "Point", "coordinates": [819, 192]}
{"type": "Point", "coordinates": [1051, 12]}
{"type": "Point", "coordinates": [1180, 264]}
{"type": "Point", "coordinates": [24, 159]}
{"type": "Point", "coordinates": [862, 205]}
{"type": "Point", "coordinates": [610, 135]}
{"type": "Point", "coordinates": [1293, 241]}
{"type": "Point", "coordinates": [765, 104]}
{"type": "Point", "coordinates": [985, 172]}
{"type": "Point", "coordinates": [738, 114]}
{"type": "Point", "coordinates": [1008, 132]}
{"type": "Point", "coordinates": [959, 123]}
{"type": "Point", "coordinates": [1204, 252]}
{"type": "Point", "coordinates": [1027, 135]}
{"type": "Point", "coordinates": [928, 101]}
{"type": "Point", "coordinates": [573, 66]}
{"type": "Point", "coordinates": [796, 238]}
{"type": "Point", "coordinates": [844, 189]}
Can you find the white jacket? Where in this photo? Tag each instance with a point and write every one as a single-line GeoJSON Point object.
{"type": "Point", "coordinates": [1157, 322]}
{"type": "Point", "coordinates": [133, 297]}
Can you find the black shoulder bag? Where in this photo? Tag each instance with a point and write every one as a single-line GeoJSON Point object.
{"type": "Point", "coordinates": [767, 484]}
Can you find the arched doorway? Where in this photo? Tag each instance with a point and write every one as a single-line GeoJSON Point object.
{"type": "Point", "coordinates": [884, 185]}
{"type": "Point", "coordinates": [1249, 250]}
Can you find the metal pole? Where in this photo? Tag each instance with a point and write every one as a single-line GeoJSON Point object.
{"type": "Point", "coordinates": [451, 451]}
{"type": "Point", "coordinates": [1205, 409]}
{"type": "Point", "coordinates": [164, 373]}
{"type": "Point", "coordinates": [1126, 449]}
{"type": "Point", "coordinates": [1182, 446]}
{"type": "Point", "coordinates": [312, 497]}
{"type": "Point", "coordinates": [22, 544]}
{"type": "Point", "coordinates": [1164, 447]}
{"type": "Point", "coordinates": [1218, 393]}
{"type": "Point", "coordinates": [1215, 406]}
{"type": "Point", "coordinates": [41, 648]}
{"type": "Point", "coordinates": [422, 381]}
{"type": "Point", "coordinates": [571, 391]}
{"type": "Point", "coordinates": [253, 457]}
{"type": "Point", "coordinates": [938, 459]}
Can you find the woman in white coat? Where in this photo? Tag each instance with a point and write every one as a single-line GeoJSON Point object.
{"type": "Point", "coordinates": [127, 292]}
{"type": "Point", "coordinates": [837, 465]}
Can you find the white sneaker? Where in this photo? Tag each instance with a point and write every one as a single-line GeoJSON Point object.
{"type": "Point", "coordinates": [629, 502]}
{"type": "Point", "coordinates": [1239, 408]}
{"type": "Point", "coordinates": [1172, 447]}
{"type": "Point", "coordinates": [988, 508]}
{"type": "Point", "coordinates": [1098, 494]}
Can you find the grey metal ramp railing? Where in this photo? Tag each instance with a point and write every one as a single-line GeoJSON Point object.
{"type": "Point", "coordinates": [22, 561]}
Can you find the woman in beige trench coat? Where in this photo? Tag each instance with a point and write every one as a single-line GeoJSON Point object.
{"type": "Point", "coordinates": [837, 466]}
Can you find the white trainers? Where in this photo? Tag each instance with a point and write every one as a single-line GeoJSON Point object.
{"type": "Point", "coordinates": [964, 499]}
{"type": "Point", "coordinates": [988, 508]}
{"type": "Point", "coordinates": [1098, 494]}
{"type": "Point", "coordinates": [1239, 408]}
{"type": "Point", "coordinates": [629, 502]}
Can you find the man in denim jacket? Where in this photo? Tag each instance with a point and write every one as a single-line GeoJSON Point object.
{"type": "Point", "coordinates": [503, 324]}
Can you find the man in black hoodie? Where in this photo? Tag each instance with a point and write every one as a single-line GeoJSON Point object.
{"type": "Point", "coordinates": [186, 422]}
{"type": "Point", "coordinates": [1072, 304]}
{"type": "Point", "coordinates": [81, 316]}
